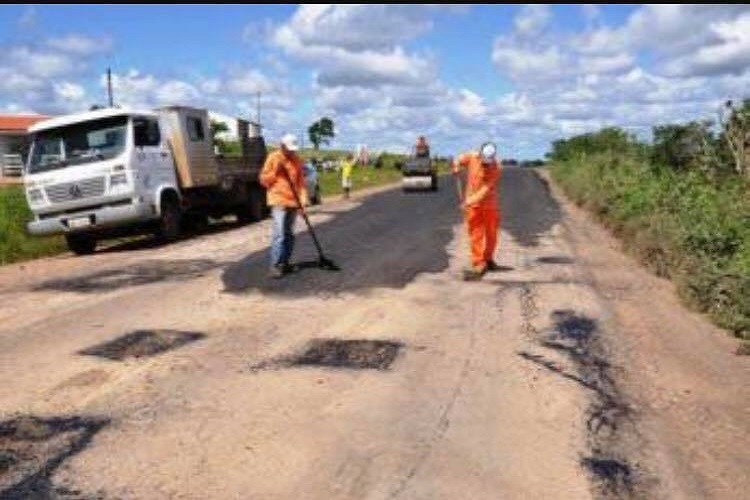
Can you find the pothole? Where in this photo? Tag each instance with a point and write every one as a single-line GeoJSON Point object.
{"type": "Point", "coordinates": [142, 343]}
{"type": "Point", "coordinates": [614, 475]}
{"type": "Point", "coordinates": [338, 353]}
{"type": "Point", "coordinates": [32, 448]}
{"type": "Point", "coordinates": [609, 420]}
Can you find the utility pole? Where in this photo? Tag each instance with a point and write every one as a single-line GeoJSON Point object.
{"type": "Point", "coordinates": [109, 87]}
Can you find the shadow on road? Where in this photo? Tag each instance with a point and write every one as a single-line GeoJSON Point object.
{"type": "Point", "coordinates": [147, 242]}
{"type": "Point", "coordinates": [141, 273]}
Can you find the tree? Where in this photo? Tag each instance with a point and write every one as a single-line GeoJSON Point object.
{"type": "Point", "coordinates": [688, 146]}
{"type": "Point", "coordinates": [735, 122]}
{"type": "Point", "coordinates": [321, 132]}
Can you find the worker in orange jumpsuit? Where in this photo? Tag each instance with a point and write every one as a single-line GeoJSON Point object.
{"type": "Point", "coordinates": [480, 207]}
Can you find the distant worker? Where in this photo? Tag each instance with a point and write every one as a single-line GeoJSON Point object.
{"type": "Point", "coordinates": [480, 207]}
{"type": "Point", "coordinates": [422, 149]}
{"type": "Point", "coordinates": [346, 174]}
{"type": "Point", "coordinates": [282, 167]}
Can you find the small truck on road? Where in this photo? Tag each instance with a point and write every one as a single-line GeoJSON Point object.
{"type": "Point", "coordinates": [419, 171]}
{"type": "Point", "coordinates": [109, 172]}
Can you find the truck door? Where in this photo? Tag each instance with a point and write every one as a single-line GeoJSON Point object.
{"type": "Point", "coordinates": [153, 159]}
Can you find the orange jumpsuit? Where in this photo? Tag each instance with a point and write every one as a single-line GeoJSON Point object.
{"type": "Point", "coordinates": [482, 213]}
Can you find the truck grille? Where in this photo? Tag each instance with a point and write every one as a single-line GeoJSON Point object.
{"type": "Point", "coordinates": [70, 191]}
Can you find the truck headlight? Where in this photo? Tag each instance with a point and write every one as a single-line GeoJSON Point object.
{"type": "Point", "coordinates": [35, 196]}
{"type": "Point", "coordinates": [117, 180]}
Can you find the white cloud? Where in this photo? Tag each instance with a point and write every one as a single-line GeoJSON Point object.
{"type": "Point", "coordinates": [67, 91]}
{"type": "Point", "coordinates": [354, 27]}
{"type": "Point", "coordinates": [358, 45]}
{"type": "Point", "coordinates": [727, 52]}
{"type": "Point", "coordinates": [527, 62]}
{"type": "Point", "coordinates": [532, 19]}
{"type": "Point", "coordinates": [176, 92]}
{"type": "Point", "coordinates": [607, 63]}
{"type": "Point", "coordinates": [79, 44]}
{"type": "Point", "coordinates": [41, 63]}
{"type": "Point", "coordinates": [470, 105]}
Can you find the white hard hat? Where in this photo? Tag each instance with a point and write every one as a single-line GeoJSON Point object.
{"type": "Point", "coordinates": [289, 141]}
{"type": "Point", "coordinates": [488, 152]}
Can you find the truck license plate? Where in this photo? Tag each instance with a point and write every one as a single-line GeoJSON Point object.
{"type": "Point", "coordinates": [79, 222]}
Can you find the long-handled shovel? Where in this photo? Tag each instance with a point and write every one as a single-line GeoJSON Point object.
{"type": "Point", "coordinates": [323, 262]}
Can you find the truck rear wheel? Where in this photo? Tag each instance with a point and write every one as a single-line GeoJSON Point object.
{"type": "Point", "coordinates": [434, 186]}
{"type": "Point", "coordinates": [169, 223]}
{"type": "Point", "coordinates": [254, 209]}
{"type": "Point", "coordinates": [81, 244]}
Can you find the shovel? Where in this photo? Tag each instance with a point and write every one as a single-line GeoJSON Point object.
{"type": "Point", "coordinates": [323, 262]}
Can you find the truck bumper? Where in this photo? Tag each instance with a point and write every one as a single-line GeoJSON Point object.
{"type": "Point", "coordinates": [417, 182]}
{"type": "Point", "coordinates": [108, 216]}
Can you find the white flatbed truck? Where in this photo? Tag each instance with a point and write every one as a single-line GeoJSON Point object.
{"type": "Point", "coordinates": [109, 172]}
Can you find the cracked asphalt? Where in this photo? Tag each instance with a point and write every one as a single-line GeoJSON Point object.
{"type": "Point", "coordinates": [558, 377]}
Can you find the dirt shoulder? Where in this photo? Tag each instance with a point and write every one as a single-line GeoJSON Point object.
{"type": "Point", "coordinates": [690, 390]}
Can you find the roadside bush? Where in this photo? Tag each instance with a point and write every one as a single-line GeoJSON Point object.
{"type": "Point", "coordinates": [682, 221]}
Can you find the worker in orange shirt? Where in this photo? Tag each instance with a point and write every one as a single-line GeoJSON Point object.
{"type": "Point", "coordinates": [282, 201]}
{"type": "Point", "coordinates": [480, 207]}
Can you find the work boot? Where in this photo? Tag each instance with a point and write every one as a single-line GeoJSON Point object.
{"type": "Point", "coordinates": [492, 266]}
{"type": "Point", "coordinates": [276, 272]}
{"type": "Point", "coordinates": [288, 268]}
{"type": "Point", "coordinates": [474, 274]}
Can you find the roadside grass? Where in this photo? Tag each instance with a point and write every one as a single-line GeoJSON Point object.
{"type": "Point", "coordinates": [366, 177]}
{"type": "Point", "coordinates": [15, 244]}
{"type": "Point", "coordinates": [362, 178]}
{"type": "Point", "coordinates": [686, 226]}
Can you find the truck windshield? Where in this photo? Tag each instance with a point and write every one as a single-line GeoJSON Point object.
{"type": "Point", "coordinates": [77, 144]}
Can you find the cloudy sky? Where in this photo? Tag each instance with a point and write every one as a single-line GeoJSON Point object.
{"type": "Point", "coordinates": [521, 75]}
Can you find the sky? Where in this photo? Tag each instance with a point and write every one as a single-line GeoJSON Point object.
{"type": "Point", "coordinates": [520, 75]}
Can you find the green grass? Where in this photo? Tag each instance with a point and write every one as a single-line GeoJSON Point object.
{"type": "Point", "coordinates": [362, 177]}
{"type": "Point", "coordinates": [15, 244]}
{"type": "Point", "coordinates": [685, 226]}
{"type": "Point", "coordinates": [366, 177]}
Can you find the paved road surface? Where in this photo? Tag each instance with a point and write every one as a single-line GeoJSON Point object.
{"type": "Point", "coordinates": [570, 374]}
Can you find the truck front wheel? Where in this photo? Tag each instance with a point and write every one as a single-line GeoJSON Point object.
{"type": "Point", "coordinates": [81, 244]}
{"type": "Point", "coordinates": [169, 223]}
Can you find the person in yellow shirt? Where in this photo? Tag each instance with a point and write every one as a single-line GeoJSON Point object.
{"type": "Point", "coordinates": [346, 174]}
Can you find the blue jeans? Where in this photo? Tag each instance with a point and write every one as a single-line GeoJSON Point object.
{"type": "Point", "coordinates": [282, 237]}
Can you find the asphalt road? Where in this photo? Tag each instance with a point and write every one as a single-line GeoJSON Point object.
{"type": "Point", "coordinates": [180, 371]}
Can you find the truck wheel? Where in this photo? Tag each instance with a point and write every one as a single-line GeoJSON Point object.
{"type": "Point", "coordinates": [434, 186]}
{"type": "Point", "coordinates": [81, 244]}
{"type": "Point", "coordinates": [169, 223]}
{"type": "Point", "coordinates": [254, 209]}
